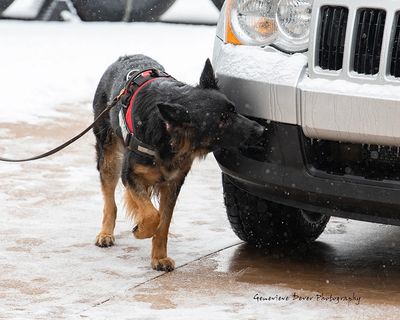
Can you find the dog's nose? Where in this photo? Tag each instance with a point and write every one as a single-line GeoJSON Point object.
{"type": "Point", "coordinates": [258, 130]}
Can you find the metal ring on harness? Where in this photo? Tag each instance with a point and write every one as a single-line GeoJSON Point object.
{"type": "Point", "coordinates": [131, 73]}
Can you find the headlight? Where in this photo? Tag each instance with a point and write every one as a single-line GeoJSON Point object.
{"type": "Point", "coordinates": [285, 23]}
{"type": "Point", "coordinates": [253, 21]}
{"type": "Point", "coordinates": [293, 19]}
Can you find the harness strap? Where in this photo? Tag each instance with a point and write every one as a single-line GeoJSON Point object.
{"type": "Point", "coordinates": [128, 116]}
{"type": "Point", "coordinates": [136, 81]}
{"type": "Point", "coordinates": [134, 144]}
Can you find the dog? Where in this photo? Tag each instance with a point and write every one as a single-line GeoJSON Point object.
{"type": "Point", "coordinates": [179, 123]}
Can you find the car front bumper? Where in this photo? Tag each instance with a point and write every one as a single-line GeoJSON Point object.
{"type": "Point", "coordinates": [284, 177]}
{"type": "Point", "coordinates": [271, 86]}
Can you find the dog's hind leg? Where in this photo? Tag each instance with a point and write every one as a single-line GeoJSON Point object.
{"type": "Point", "coordinates": [109, 165]}
{"type": "Point", "coordinates": [159, 258]}
{"type": "Point", "coordinates": [140, 181]}
{"type": "Point", "coordinates": [141, 209]}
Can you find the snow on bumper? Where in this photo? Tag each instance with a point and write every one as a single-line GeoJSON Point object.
{"type": "Point", "coordinates": [261, 83]}
{"type": "Point", "coordinates": [268, 84]}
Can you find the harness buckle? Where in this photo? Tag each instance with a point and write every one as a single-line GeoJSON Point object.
{"type": "Point", "coordinates": [137, 146]}
{"type": "Point", "coordinates": [130, 74]}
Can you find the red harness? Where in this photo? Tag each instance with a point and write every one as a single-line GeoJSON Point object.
{"type": "Point", "coordinates": [137, 80]}
{"type": "Point", "coordinates": [128, 116]}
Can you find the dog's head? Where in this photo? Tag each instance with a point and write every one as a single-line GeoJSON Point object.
{"type": "Point", "coordinates": [208, 117]}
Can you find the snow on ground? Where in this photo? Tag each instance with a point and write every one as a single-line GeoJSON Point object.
{"type": "Point", "coordinates": [51, 213]}
{"type": "Point", "coordinates": [188, 11]}
{"type": "Point", "coordinates": [44, 65]}
{"type": "Point", "coordinates": [192, 11]}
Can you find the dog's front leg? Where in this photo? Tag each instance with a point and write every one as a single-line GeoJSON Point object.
{"type": "Point", "coordinates": [159, 259]}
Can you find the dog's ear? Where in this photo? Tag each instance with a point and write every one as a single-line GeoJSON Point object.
{"type": "Point", "coordinates": [207, 78]}
{"type": "Point", "coordinates": [174, 114]}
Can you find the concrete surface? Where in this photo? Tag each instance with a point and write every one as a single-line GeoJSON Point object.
{"type": "Point", "coordinates": [50, 268]}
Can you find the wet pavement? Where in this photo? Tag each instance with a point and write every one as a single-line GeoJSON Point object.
{"type": "Point", "coordinates": [345, 275]}
{"type": "Point", "coordinates": [50, 268]}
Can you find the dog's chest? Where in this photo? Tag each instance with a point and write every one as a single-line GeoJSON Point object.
{"type": "Point", "coordinates": [177, 169]}
{"type": "Point", "coordinates": [171, 175]}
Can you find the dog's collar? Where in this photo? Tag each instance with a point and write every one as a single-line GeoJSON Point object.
{"type": "Point", "coordinates": [135, 81]}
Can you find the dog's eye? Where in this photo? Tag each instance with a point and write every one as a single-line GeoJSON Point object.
{"type": "Point", "coordinates": [231, 108]}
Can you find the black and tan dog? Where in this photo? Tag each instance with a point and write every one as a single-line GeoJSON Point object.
{"type": "Point", "coordinates": [180, 123]}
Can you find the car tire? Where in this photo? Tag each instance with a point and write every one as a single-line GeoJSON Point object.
{"type": "Point", "coordinates": [218, 3]}
{"type": "Point", "coordinates": [120, 10]}
{"type": "Point", "coordinates": [266, 224]}
{"type": "Point", "coordinates": [4, 4]}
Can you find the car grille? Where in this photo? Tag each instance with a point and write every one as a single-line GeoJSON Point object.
{"type": "Point", "coordinates": [353, 40]}
{"type": "Point", "coordinates": [333, 34]}
{"type": "Point", "coordinates": [371, 162]}
{"type": "Point", "coordinates": [367, 54]}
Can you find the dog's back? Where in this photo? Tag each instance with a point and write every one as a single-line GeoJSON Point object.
{"type": "Point", "coordinates": [111, 83]}
{"type": "Point", "coordinates": [114, 78]}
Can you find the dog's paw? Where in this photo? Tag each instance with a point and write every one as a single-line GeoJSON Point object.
{"type": "Point", "coordinates": [147, 227]}
{"type": "Point", "coordinates": [104, 240]}
{"type": "Point", "coordinates": [164, 264]}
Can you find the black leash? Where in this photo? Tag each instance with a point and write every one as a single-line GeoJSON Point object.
{"type": "Point", "coordinates": [66, 144]}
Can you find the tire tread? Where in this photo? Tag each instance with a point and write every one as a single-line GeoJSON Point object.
{"type": "Point", "coordinates": [266, 224]}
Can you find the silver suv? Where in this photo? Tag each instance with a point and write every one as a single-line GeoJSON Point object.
{"type": "Point", "coordinates": [323, 76]}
